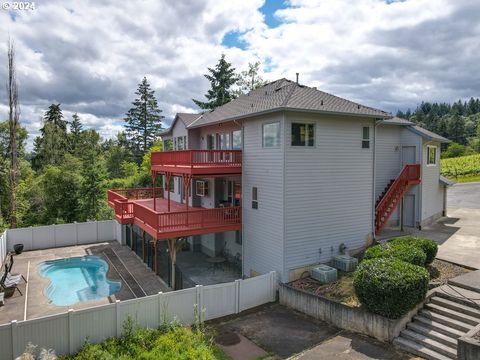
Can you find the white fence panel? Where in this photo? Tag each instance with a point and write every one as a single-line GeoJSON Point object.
{"type": "Point", "coordinates": [179, 305]}
{"type": "Point", "coordinates": [65, 235]}
{"type": "Point", "coordinates": [96, 324]}
{"type": "Point", "coordinates": [49, 332]}
{"type": "Point", "coordinates": [220, 300]}
{"type": "Point", "coordinates": [87, 233]}
{"type": "Point", "coordinates": [6, 350]}
{"type": "Point", "coordinates": [257, 291]}
{"type": "Point", "coordinates": [3, 247]}
{"type": "Point", "coordinates": [21, 235]}
{"type": "Point", "coordinates": [106, 231]}
{"type": "Point", "coordinates": [143, 311]}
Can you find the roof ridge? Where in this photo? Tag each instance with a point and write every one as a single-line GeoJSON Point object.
{"type": "Point", "coordinates": [289, 95]}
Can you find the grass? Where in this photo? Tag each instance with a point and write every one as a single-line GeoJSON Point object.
{"type": "Point", "coordinates": [467, 179]}
{"type": "Point", "coordinates": [171, 341]}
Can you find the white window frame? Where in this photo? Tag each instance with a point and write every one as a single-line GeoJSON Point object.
{"type": "Point", "coordinates": [234, 134]}
{"type": "Point", "coordinates": [306, 124]}
{"type": "Point", "coordinates": [366, 139]}
{"type": "Point", "coordinates": [201, 187]}
{"type": "Point", "coordinates": [428, 155]}
{"type": "Point", "coordinates": [279, 134]}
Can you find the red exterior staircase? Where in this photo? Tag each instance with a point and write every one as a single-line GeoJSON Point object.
{"type": "Point", "coordinates": [393, 193]}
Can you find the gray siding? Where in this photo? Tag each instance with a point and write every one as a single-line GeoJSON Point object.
{"type": "Point", "coordinates": [432, 190]}
{"type": "Point", "coordinates": [328, 190]}
{"type": "Point", "coordinates": [263, 227]}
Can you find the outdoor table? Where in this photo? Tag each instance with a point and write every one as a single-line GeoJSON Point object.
{"type": "Point", "coordinates": [216, 261]}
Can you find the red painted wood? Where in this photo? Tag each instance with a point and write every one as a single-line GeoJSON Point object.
{"type": "Point", "coordinates": [410, 175]}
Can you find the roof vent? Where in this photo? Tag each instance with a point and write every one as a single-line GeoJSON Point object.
{"type": "Point", "coordinates": [321, 102]}
{"type": "Point", "coordinates": [297, 77]}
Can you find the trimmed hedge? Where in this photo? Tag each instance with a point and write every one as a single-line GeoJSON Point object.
{"type": "Point", "coordinates": [428, 246]}
{"type": "Point", "coordinates": [390, 287]}
{"type": "Point", "coordinates": [406, 252]}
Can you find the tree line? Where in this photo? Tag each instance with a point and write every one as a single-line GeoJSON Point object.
{"type": "Point", "coordinates": [65, 178]}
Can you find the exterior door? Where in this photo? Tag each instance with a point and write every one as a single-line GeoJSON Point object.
{"type": "Point", "coordinates": [409, 210]}
{"type": "Point", "coordinates": [408, 155]}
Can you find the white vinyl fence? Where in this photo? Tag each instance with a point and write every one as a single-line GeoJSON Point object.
{"type": "Point", "coordinates": [52, 236]}
{"type": "Point", "coordinates": [3, 248]}
{"type": "Point", "coordinates": [67, 332]}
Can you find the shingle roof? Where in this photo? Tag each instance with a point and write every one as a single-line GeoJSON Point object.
{"type": "Point", "coordinates": [284, 94]}
{"type": "Point", "coordinates": [445, 181]}
{"type": "Point", "coordinates": [427, 134]}
{"type": "Point", "coordinates": [397, 121]}
{"type": "Point", "coordinates": [186, 118]}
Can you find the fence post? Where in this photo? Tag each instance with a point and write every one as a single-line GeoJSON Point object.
{"type": "Point", "coordinates": [71, 328]}
{"type": "Point", "coordinates": [54, 235]}
{"type": "Point", "coordinates": [199, 289]}
{"type": "Point", "coordinates": [273, 284]}
{"type": "Point", "coordinates": [76, 233]}
{"type": "Point", "coordinates": [14, 332]}
{"type": "Point", "coordinates": [237, 295]}
{"type": "Point", "coordinates": [117, 317]}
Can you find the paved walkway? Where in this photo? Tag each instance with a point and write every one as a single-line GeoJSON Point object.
{"type": "Point", "coordinates": [285, 333]}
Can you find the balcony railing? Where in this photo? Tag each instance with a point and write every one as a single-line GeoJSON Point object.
{"type": "Point", "coordinates": [197, 160]}
{"type": "Point", "coordinates": [129, 208]}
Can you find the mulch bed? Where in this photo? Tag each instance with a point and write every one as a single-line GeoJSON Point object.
{"type": "Point", "coordinates": [440, 271]}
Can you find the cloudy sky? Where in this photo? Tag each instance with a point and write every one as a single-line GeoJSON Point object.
{"type": "Point", "coordinates": [90, 55]}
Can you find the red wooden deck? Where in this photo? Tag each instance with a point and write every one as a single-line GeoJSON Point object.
{"type": "Point", "coordinates": [198, 162]}
{"type": "Point", "coordinates": [179, 222]}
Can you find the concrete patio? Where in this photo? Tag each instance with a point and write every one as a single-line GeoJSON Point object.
{"type": "Point", "coordinates": [137, 280]}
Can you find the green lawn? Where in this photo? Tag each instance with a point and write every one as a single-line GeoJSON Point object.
{"type": "Point", "coordinates": [462, 168]}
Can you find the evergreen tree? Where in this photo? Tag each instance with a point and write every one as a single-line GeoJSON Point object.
{"type": "Point", "coordinates": [456, 129]}
{"type": "Point", "coordinates": [92, 190]}
{"type": "Point", "coordinates": [143, 120]}
{"type": "Point", "coordinates": [221, 78]}
{"type": "Point", "coordinates": [54, 116]}
{"type": "Point", "coordinates": [76, 128]}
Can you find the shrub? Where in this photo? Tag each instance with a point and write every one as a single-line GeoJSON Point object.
{"type": "Point", "coordinates": [411, 254]}
{"type": "Point", "coordinates": [428, 246]}
{"type": "Point", "coordinates": [390, 287]}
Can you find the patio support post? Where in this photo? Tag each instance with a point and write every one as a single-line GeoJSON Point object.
{"type": "Point", "coordinates": [168, 176]}
{"type": "Point", "coordinates": [173, 245]}
{"type": "Point", "coordinates": [155, 264]}
{"type": "Point", "coordinates": [143, 245]}
{"type": "Point", "coordinates": [154, 182]}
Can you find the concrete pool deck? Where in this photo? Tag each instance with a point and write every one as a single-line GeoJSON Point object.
{"type": "Point", "coordinates": [137, 280]}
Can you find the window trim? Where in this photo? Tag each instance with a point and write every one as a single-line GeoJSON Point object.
{"type": "Point", "coordinates": [366, 139]}
{"type": "Point", "coordinates": [428, 155]}
{"type": "Point", "coordinates": [202, 185]}
{"type": "Point", "coordinates": [241, 140]}
{"type": "Point", "coordinates": [279, 135]}
{"type": "Point", "coordinates": [306, 123]}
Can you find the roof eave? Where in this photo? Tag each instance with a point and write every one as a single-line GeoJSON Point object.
{"type": "Point", "coordinates": [428, 137]}
{"type": "Point", "coordinates": [283, 108]}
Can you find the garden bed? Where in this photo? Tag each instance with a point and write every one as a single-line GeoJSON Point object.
{"type": "Point", "coordinates": [441, 271]}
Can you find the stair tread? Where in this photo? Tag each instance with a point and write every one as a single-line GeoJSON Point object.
{"type": "Point", "coordinates": [422, 329]}
{"type": "Point", "coordinates": [452, 322]}
{"type": "Point", "coordinates": [434, 324]}
{"type": "Point", "coordinates": [473, 319]}
{"type": "Point", "coordinates": [419, 349]}
{"type": "Point", "coordinates": [429, 342]}
{"type": "Point", "coordinates": [459, 305]}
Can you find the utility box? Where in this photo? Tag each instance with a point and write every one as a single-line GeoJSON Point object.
{"type": "Point", "coordinates": [345, 263]}
{"type": "Point", "coordinates": [324, 274]}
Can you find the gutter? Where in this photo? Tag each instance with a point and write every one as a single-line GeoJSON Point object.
{"type": "Point", "coordinates": [376, 123]}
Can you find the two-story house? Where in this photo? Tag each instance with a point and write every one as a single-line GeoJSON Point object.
{"type": "Point", "coordinates": [281, 179]}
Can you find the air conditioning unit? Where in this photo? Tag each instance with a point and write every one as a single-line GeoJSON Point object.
{"type": "Point", "coordinates": [324, 274]}
{"type": "Point", "coordinates": [201, 188]}
{"type": "Point", "coordinates": [345, 263]}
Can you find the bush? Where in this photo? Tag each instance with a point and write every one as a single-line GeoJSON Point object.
{"type": "Point", "coordinates": [390, 287]}
{"type": "Point", "coordinates": [411, 254]}
{"type": "Point", "coordinates": [428, 246]}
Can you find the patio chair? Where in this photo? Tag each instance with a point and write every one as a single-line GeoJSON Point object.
{"type": "Point", "coordinates": [7, 285]}
{"type": "Point", "coordinates": [13, 277]}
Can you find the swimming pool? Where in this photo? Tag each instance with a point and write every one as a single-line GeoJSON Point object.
{"type": "Point", "coordinates": [77, 279]}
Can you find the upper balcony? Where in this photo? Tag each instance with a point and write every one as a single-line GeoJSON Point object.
{"type": "Point", "coordinates": [162, 221]}
{"type": "Point", "coordinates": [198, 162]}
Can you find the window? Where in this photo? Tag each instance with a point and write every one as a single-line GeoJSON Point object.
{"type": "Point", "coordinates": [175, 144]}
{"type": "Point", "coordinates": [220, 142]}
{"type": "Point", "coordinates": [227, 141]}
{"type": "Point", "coordinates": [366, 137]}
{"type": "Point", "coordinates": [172, 184]}
{"type": "Point", "coordinates": [202, 188]}
{"type": "Point", "coordinates": [303, 134]}
{"type": "Point", "coordinates": [431, 155]}
{"type": "Point", "coordinates": [237, 140]}
{"type": "Point", "coordinates": [254, 198]}
{"type": "Point", "coordinates": [271, 135]}
{"type": "Point", "coordinates": [185, 142]}
{"type": "Point", "coordinates": [180, 143]}
{"type": "Point", "coordinates": [210, 142]}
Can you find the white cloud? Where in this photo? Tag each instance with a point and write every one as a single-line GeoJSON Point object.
{"type": "Point", "coordinates": [89, 56]}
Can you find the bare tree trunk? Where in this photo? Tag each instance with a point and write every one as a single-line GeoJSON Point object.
{"type": "Point", "coordinates": [13, 118]}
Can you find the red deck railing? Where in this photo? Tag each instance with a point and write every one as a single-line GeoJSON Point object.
{"type": "Point", "coordinates": [198, 158]}
{"type": "Point", "coordinates": [410, 175]}
{"type": "Point", "coordinates": [171, 224]}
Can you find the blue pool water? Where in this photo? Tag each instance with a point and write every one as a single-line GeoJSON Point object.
{"type": "Point", "coordinates": [77, 279]}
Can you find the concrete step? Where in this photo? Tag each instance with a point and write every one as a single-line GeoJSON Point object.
{"type": "Point", "coordinates": [460, 295]}
{"type": "Point", "coordinates": [438, 327]}
{"type": "Point", "coordinates": [459, 325]}
{"type": "Point", "coordinates": [453, 314]}
{"type": "Point", "coordinates": [419, 350]}
{"type": "Point", "coordinates": [457, 306]}
{"type": "Point", "coordinates": [435, 335]}
{"type": "Point", "coordinates": [429, 343]}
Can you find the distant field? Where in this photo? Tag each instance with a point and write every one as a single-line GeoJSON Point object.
{"type": "Point", "coordinates": [462, 169]}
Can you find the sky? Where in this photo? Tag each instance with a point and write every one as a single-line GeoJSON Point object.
{"type": "Point", "coordinates": [89, 56]}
